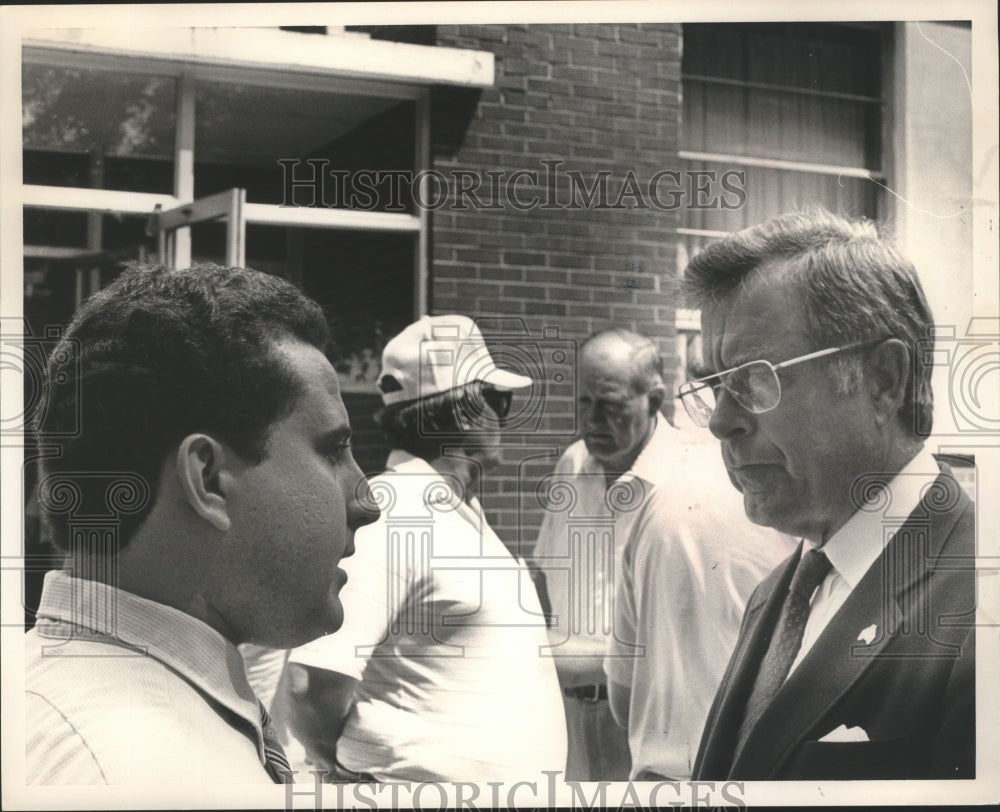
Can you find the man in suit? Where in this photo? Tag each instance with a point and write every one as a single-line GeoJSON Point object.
{"type": "Point", "coordinates": [856, 656]}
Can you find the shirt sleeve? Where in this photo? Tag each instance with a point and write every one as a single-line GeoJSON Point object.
{"type": "Point", "coordinates": [624, 645]}
{"type": "Point", "coordinates": [549, 542]}
{"type": "Point", "coordinates": [676, 604]}
{"type": "Point", "coordinates": [56, 753]}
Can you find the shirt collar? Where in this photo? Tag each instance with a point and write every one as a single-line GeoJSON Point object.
{"type": "Point", "coordinates": [403, 462]}
{"type": "Point", "coordinates": [850, 549]}
{"type": "Point", "coordinates": [188, 646]}
{"type": "Point", "coordinates": [400, 461]}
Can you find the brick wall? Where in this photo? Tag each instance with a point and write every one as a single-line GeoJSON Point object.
{"type": "Point", "coordinates": [594, 98]}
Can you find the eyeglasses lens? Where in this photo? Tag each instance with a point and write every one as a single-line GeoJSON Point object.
{"type": "Point", "coordinates": [498, 400]}
{"type": "Point", "coordinates": [754, 386]}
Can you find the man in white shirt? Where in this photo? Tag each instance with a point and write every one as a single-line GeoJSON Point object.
{"type": "Point", "coordinates": [204, 494]}
{"type": "Point", "coordinates": [690, 561]}
{"type": "Point", "coordinates": [437, 674]}
{"type": "Point", "coordinates": [856, 659]}
{"type": "Point", "coordinates": [639, 565]}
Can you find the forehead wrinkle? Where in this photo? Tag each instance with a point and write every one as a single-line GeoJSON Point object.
{"type": "Point", "coordinates": [775, 279]}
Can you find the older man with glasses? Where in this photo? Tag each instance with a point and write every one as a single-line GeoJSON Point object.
{"type": "Point", "coordinates": [647, 569]}
{"type": "Point", "coordinates": [856, 657]}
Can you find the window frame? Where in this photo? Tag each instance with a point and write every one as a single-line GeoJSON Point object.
{"type": "Point", "coordinates": [65, 51]}
{"type": "Point", "coordinates": [688, 321]}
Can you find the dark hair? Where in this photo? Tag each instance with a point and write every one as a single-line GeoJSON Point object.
{"type": "Point", "coordinates": [647, 369]}
{"type": "Point", "coordinates": [159, 354]}
{"type": "Point", "coordinates": [423, 426]}
{"type": "Point", "coordinates": [855, 284]}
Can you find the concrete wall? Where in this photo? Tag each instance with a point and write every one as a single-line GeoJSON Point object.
{"type": "Point", "coordinates": [931, 173]}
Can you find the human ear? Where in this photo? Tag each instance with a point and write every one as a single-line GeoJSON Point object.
{"type": "Point", "coordinates": [656, 395]}
{"type": "Point", "coordinates": [204, 478]}
{"type": "Point", "coordinates": [887, 377]}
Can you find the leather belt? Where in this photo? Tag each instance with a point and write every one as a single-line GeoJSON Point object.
{"type": "Point", "coordinates": [587, 693]}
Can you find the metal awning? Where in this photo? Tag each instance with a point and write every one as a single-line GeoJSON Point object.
{"type": "Point", "coordinates": [346, 55]}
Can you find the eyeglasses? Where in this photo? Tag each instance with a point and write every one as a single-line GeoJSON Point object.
{"type": "Point", "coordinates": [754, 385]}
{"type": "Point", "coordinates": [498, 400]}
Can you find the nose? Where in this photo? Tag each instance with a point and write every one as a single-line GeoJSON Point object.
{"type": "Point", "coordinates": [729, 420]}
{"type": "Point", "coordinates": [362, 508]}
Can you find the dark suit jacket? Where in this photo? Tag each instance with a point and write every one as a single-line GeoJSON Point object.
{"type": "Point", "coordinates": [912, 689]}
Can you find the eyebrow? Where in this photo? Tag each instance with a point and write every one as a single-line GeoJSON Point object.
{"type": "Point", "coordinates": [746, 356]}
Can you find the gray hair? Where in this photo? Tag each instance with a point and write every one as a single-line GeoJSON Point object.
{"type": "Point", "coordinates": [856, 286]}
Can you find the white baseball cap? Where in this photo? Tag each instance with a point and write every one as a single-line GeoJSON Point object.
{"type": "Point", "coordinates": [436, 354]}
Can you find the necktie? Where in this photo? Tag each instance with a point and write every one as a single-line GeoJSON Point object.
{"type": "Point", "coordinates": [786, 640]}
{"type": "Point", "coordinates": [275, 762]}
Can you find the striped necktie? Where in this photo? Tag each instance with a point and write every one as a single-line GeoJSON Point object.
{"type": "Point", "coordinates": [786, 640]}
{"type": "Point", "coordinates": [275, 761]}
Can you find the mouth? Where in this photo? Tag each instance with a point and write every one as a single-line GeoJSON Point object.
{"type": "Point", "coordinates": [349, 548]}
{"type": "Point", "coordinates": [751, 476]}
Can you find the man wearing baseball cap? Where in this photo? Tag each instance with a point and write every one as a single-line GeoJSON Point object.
{"type": "Point", "coordinates": [436, 674]}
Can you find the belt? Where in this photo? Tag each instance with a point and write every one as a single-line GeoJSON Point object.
{"type": "Point", "coordinates": [587, 693]}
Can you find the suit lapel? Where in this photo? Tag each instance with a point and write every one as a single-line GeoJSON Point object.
{"type": "Point", "coordinates": [822, 677]}
{"type": "Point", "coordinates": [727, 712]}
{"type": "Point", "coordinates": [838, 659]}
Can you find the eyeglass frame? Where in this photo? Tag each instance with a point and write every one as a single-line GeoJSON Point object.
{"type": "Point", "coordinates": [689, 389]}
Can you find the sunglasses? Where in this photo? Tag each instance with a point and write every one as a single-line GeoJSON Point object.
{"type": "Point", "coordinates": [498, 400]}
{"type": "Point", "coordinates": [754, 385]}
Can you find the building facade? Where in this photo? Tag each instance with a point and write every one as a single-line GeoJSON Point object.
{"type": "Point", "coordinates": [547, 180]}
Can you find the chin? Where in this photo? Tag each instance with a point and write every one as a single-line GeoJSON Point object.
{"type": "Point", "coordinates": [488, 460]}
{"type": "Point", "coordinates": [760, 512]}
{"type": "Point", "coordinates": [599, 451]}
{"type": "Point", "coordinates": [331, 619]}
{"type": "Point", "coordinates": [784, 521]}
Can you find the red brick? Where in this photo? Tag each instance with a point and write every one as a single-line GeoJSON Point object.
{"type": "Point", "coordinates": [500, 306]}
{"type": "Point", "coordinates": [523, 258]}
{"type": "Point", "coordinates": [523, 291]}
{"type": "Point", "coordinates": [596, 97]}
{"type": "Point", "coordinates": [545, 308]}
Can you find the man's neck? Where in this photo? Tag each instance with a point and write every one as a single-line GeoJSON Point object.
{"type": "Point", "coordinates": [463, 469]}
{"type": "Point", "coordinates": [141, 570]}
{"type": "Point", "coordinates": [899, 456]}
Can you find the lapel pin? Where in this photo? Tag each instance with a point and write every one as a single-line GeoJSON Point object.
{"type": "Point", "coordinates": [867, 635]}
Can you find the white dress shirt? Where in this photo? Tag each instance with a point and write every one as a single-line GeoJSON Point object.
{"type": "Point", "coordinates": [444, 633]}
{"type": "Point", "coordinates": [691, 559]}
{"type": "Point", "coordinates": [584, 529]}
{"type": "Point", "coordinates": [855, 547]}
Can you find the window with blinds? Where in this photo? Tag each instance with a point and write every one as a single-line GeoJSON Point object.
{"type": "Point", "coordinates": [797, 108]}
